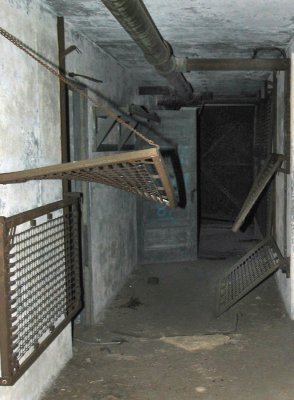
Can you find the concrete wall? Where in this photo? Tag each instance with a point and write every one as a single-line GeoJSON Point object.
{"type": "Point", "coordinates": [112, 234]}
{"type": "Point", "coordinates": [291, 202]}
{"type": "Point", "coordinates": [30, 137]}
{"type": "Point", "coordinates": [284, 197]}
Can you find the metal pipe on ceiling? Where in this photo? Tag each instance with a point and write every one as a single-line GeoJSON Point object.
{"type": "Point", "coordinates": [136, 20]}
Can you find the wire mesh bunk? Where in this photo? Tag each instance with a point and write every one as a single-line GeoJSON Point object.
{"type": "Point", "coordinates": [141, 172]}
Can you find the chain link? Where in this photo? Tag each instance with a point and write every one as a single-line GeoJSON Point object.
{"type": "Point", "coordinates": [74, 87]}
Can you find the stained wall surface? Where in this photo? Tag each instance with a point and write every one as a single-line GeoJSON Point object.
{"type": "Point", "coordinates": [111, 233]}
{"type": "Point", "coordinates": [290, 209]}
{"type": "Point", "coordinates": [30, 137]}
{"type": "Point", "coordinates": [284, 192]}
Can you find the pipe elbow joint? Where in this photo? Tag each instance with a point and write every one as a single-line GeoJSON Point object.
{"type": "Point", "coordinates": [163, 60]}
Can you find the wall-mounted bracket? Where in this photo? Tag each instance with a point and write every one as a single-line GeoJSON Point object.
{"type": "Point", "coordinates": [277, 49]}
{"type": "Point", "coordinates": [89, 78]}
{"type": "Point", "coordinates": [108, 140]}
{"type": "Point", "coordinates": [70, 49]}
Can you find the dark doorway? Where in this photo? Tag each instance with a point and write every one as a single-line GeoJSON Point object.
{"type": "Point", "coordinates": [226, 171]}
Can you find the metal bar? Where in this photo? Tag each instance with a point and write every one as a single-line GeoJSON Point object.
{"type": "Point", "coordinates": [104, 130]}
{"type": "Point", "coordinates": [39, 211]}
{"type": "Point", "coordinates": [5, 334]}
{"type": "Point", "coordinates": [236, 64]}
{"type": "Point", "coordinates": [125, 134]}
{"type": "Point", "coordinates": [73, 75]}
{"type": "Point", "coordinates": [178, 171]}
{"type": "Point", "coordinates": [63, 95]}
{"type": "Point", "coordinates": [165, 181]}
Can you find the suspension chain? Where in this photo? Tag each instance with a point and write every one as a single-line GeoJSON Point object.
{"type": "Point", "coordinates": [31, 53]}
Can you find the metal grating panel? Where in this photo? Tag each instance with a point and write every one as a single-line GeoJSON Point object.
{"type": "Point", "coordinates": [270, 167]}
{"type": "Point", "coordinates": [40, 282]}
{"type": "Point", "coordinates": [140, 172]}
{"type": "Point", "coordinates": [264, 128]}
{"type": "Point", "coordinates": [247, 273]}
{"type": "Point", "coordinates": [262, 149]}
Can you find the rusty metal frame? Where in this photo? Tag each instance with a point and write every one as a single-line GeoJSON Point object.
{"type": "Point", "coordinates": [252, 269]}
{"type": "Point", "coordinates": [173, 155]}
{"type": "Point", "coordinates": [12, 368]}
{"type": "Point", "coordinates": [141, 172]}
{"type": "Point", "coordinates": [271, 166]}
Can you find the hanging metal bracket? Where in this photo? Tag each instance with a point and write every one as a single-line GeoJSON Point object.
{"type": "Point", "coordinates": [70, 49]}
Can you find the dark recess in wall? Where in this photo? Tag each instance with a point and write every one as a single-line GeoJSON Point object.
{"type": "Point", "coordinates": [226, 160]}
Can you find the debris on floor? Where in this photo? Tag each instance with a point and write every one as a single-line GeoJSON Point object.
{"type": "Point", "coordinates": [194, 343]}
{"type": "Point", "coordinates": [176, 349]}
{"type": "Point", "coordinates": [133, 303]}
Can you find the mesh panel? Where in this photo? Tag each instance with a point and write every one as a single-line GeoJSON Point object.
{"type": "Point", "coordinates": [263, 178]}
{"type": "Point", "coordinates": [247, 273]}
{"type": "Point", "coordinates": [43, 280]}
{"type": "Point", "coordinates": [262, 148]}
{"type": "Point", "coordinates": [140, 172]}
{"type": "Point", "coordinates": [264, 127]}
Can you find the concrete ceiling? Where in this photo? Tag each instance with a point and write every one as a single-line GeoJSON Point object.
{"type": "Point", "coordinates": [195, 28]}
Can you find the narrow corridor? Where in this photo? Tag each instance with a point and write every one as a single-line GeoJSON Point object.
{"type": "Point", "coordinates": [160, 340]}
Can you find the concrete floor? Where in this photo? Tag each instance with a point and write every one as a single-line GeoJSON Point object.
{"type": "Point", "coordinates": [162, 342]}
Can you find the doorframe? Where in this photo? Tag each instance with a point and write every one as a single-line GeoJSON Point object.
{"type": "Point", "coordinates": [79, 142]}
